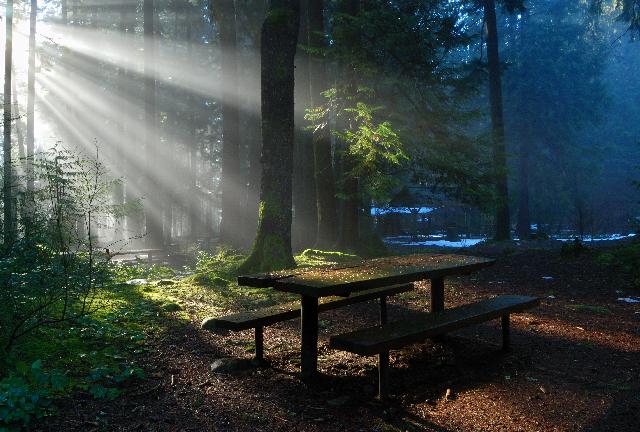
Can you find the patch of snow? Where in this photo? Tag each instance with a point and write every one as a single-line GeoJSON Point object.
{"type": "Point", "coordinates": [595, 239]}
{"type": "Point", "coordinates": [137, 282]}
{"type": "Point", "coordinates": [534, 227]}
{"type": "Point", "coordinates": [629, 299]}
{"type": "Point", "coordinates": [551, 297]}
{"type": "Point", "coordinates": [444, 243]}
{"type": "Point", "coordinates": [547, 277]}
{"type": "Point", "coordinates": [377, 211]}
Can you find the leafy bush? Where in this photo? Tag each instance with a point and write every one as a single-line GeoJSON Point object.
{"type": "Point", "coordinates": [49, 274]}
{"type": "Point", "coordinates": [27, 394]}
{"type": "Point", "coordinates": [625, 259]}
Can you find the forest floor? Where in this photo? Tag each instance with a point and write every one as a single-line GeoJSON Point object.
{"type": "Point", "coordinates": [574, 363]}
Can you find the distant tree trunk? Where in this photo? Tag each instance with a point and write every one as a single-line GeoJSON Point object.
{"type": "Point", "coordinates": [193, 207]}
{"type": "Point", "coordinates": [326, 233]}
{"type": "Point", "coordinates": [254, 172]}
{"type": "Point", "coordinates": [305, 217]}
{"type": "Point", "coordinates": [502, 223]}
{"type": "Point", "coordinates": [31, 93]}
{"type": "Point", "coordinates": [153, 206]}
{"type": "Point", "coordinates": [64, 12]}
{"type": "Point", "coordinates": [272, 247]}
{"type": "Point", "coordinates": [9, 209]}
{"type": "Point", "coordinates": [349, 240]}
{"type": "Point", "coordinates": [230, 175]}
{"type": "Point", "coordinates": [524, 222]}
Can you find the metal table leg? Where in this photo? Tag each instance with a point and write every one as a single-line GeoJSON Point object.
{"type": "Point", "coordinates": [309, 336]}
{"type": "Point", "coordinates": [437, 294]}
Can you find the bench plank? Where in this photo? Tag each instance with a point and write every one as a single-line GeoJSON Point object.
{"type": "Point", "coordinates": [376, 340]}
{"type": "Point", "coordinates": [275, 314]}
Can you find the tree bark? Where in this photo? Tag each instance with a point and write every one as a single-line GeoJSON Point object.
{"type": "Point", "coordinates": [326, 233]}
{"type": "Point", "coordinates": [8, 199]}
{"type": "Point", "coordinates": [153, 206]}
{"type": "Point", "coordinates": [31, 93]}
{"type": "Point", "coordinates": [502, 222]}
{"type": "Point", "coordinates": [230, 175]}
{"type": "Point", "coordinates": [272, 247]}
{"type": "Point", "coordinates": [305, 216]}
{"type": "Point", "coordinates": [349, 240]}
{"type": "Point", "coordinates": [523, 227]}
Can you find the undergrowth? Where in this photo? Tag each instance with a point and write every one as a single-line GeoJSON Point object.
{"type": "Point", "coordinates": [98, 354]}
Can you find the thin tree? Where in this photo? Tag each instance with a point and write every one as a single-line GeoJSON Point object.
{"type": "Point", "coordinates": [31, 93]}
{"type": "Point", "coordinates": [272, 246]}
{"type": "Point", "coordinates": [225, 15]}
{"type": "Point", "coordinates": [305, 216]}
{"type": "Point", "coordinates": [325, 184]}
{"type": "Point", "coordinates": [9, 214]}
{"type": "Point", "coordinates": [152, 212]}
{"type": "Point", "coordinates": [502, 219]}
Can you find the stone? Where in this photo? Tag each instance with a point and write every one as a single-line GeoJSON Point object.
{"type": "Point", "coordinates": [230, 365]}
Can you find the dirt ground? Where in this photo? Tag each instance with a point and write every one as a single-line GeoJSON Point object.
{"type": "Point", "coordinates": [574, 366]}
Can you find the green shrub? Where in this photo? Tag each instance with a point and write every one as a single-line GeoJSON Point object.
{"type": "Point", "coordinates": [624, 259]}
{"type": "Point", "coordinates": [27, 394]}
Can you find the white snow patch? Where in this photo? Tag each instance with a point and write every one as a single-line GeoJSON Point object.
{"type": "Point", "coordinates": [442, 243]}
{"type": "Point", "coordinates": [377, 211]}
{"type": "Point", "coordinates": [547, 277]}
{"type": "Point", "coordinates": [629, 299]}
{"type": "Point", "coordinates": [551, 297]}
{"type": "Point", "coordinates": [595, 239]}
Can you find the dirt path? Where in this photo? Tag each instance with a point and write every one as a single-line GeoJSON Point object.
{"type": "Point", "coordinates": [574, 366]}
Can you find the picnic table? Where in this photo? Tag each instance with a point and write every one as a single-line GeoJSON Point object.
{"type": "Point", "coordinates": [343, 280]}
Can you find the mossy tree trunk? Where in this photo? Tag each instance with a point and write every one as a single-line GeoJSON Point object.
{"type": "Point", "coordinates": [502, 222]}
{"type": "Point", "coordinates": [272, 246]}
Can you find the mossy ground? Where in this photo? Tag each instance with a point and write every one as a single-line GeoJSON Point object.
{"type": "Point", "coordinates": [141, 303]}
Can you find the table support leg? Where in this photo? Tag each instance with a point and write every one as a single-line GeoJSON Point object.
{"type": "Point", "coordinates": [383, 310]}
{"type": "Point", "coordinates": [309, 336]}
{"type": "Point", "coordinates": [259, 344]}
{"type": "Point", "coordinates": [383, 374]}
{"type": "Point", "coordinates": [506, 342]}
{"type": "Point", "coordinates": [437, 294]}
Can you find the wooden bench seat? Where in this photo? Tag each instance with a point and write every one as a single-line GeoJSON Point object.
{"type": "Point", "coordinates": [380, 339]}
{"type": "Point", "coordinates": [258, 319]}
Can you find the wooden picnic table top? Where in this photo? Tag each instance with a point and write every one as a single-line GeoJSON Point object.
{"type": "Point", "coordinates": [359, 275]}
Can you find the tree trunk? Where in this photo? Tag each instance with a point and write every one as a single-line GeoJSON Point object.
{"type": "Point", "coordinates": [230, 175]}
{"type": "Point", "coordinates": [305, 216]}
{"type": "Point", "coordinates": [64, 12]}
{"type": "Point", "coordinates": [326, 233]}
{"type": "Point", "coordinates": [272, 247]}
{"type": "Point", "coordinates": [349, 240]}
{"type": "Point", "coordinates": [31, 93]}
{"type": "Point", "coordinates": [153, 206]}
{"type": "Point", "coordinates": [502, 223]}
{"type": "Point", "coordinates": [524, 222]}
{"type": "Point", "coordinates": [9, 213]}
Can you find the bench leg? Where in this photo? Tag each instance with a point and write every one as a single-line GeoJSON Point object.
{"type": "Point", "coordinates": [259, 344]}
{"type": "Point", "coordinates": [383, 374]}
{"type": "Point", "coordinates": [506, 342]}
{"type": "Point", "coordinates": [437, 294]}
{"type": "Point", "coordinates": [309, 336]}
{"type": "Point", "coordinates": [383, 310]}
